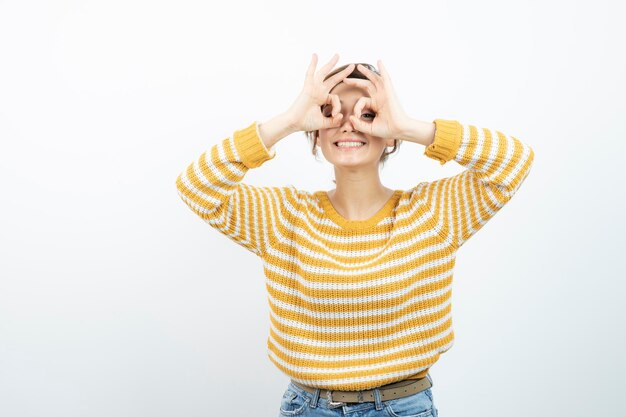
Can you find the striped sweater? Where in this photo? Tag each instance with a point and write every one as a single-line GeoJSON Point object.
{"type": "Point", "coordinates": [355, 304]}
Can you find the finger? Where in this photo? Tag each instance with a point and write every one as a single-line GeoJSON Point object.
{"type": "Point", "coordinates": [337, 120]}
{"type": "Point", "coordinates": [371, 75]}
{"type": "Point", "coordinates": [363, 102]}
{"type": "Point", "coordinates": [360, 125]}
{"type": "Point", "coordinates": [367, 85]}
{"type": "Point", "coordinates": [311, 70]}
{"type": "Point", "coordinates": [336, 104]}
{"type": "Point", "coordinates": [333, 121]}
{"type": "Point", "coordinates": [383, 71]}
{"type": "Point", "coordinates": [326, 68]}
{"type": "Point", "coordinates": [334, 80]}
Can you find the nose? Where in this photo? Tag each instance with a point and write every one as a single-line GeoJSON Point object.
{"type": "Point", "coordinates": [347, 125]}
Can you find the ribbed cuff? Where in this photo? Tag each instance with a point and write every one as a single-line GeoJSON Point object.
{"type": "Point", "coordinates": [448, 135]}
{"type": "Point", "coordinates": [250, 146]}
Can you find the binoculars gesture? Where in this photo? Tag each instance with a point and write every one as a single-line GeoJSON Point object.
{"type": "Point", "coordinates": [391, 120]}
{"type": "Point", "coordinates": [306, 112]}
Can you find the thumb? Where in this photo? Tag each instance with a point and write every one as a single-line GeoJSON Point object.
{"type": "Point", "coordinates": [334, 121]}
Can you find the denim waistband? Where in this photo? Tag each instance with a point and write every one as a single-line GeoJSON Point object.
{"type": "Point", "coordinates": [315, 399]}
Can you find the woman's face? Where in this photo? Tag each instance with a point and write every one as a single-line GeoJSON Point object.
{"type": "Point", "coordinates": [367, 154]}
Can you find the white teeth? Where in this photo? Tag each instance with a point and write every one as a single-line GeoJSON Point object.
{"type": "Point", "coordinates": [349, 144]}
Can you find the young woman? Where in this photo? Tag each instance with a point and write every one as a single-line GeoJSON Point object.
{"type": "Point", "coordinates": [359, 277]}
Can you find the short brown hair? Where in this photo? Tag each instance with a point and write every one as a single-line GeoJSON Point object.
{"type": "Point", "coordinates": [312, 135]}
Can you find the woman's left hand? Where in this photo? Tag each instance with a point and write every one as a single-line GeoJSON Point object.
{"type": "Point", "coordinates": [390, 121]}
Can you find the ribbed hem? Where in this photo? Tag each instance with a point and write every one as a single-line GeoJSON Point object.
{"type": "Point", "coordinates": [251, 149]}
{"type": "Point", "coordinates": [448, 135]}
{"type": "Point", "coordinates": [419, 375]}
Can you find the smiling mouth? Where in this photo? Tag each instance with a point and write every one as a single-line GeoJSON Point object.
{"type": "Point", "coordinates": [350, 146]}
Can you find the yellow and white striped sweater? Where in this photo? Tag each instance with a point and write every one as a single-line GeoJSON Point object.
{"type": "Point", "coordinates": [355, 304]}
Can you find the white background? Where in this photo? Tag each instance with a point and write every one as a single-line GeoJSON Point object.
{"type": "Point", "coordinates": [116, 300]}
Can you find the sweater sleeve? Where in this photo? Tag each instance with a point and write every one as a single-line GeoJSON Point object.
{"type": "Point", "coordinates": [496, 163]}
{"type": "Point", "coordinates": [211, 187]}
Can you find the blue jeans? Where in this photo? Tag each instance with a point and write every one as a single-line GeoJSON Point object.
{"type": "Point", "coordinates": [298, 402]}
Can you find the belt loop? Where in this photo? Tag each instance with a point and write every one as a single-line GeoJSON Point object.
{"type": "Point", "coordinates": [377, 401]}
{"type": "Point", "coordinates": [429, 378]}
{"type": "Point", "coordinates": [316, 396]}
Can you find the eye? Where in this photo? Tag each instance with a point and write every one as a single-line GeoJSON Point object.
{"type": "Point", "coordinates": [327, 111]}
{"type": "Point", "coordinates": [371, 115]}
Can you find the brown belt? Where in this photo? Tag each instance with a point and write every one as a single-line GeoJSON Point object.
{"type": "Point", "coordinates": [391, 391]}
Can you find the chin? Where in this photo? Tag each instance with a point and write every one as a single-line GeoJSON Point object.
{"type": "Point", "coordinates": [351, 164]}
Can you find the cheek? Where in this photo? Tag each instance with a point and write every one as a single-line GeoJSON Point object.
{"type": "Point", "coordinates": [324, 135]}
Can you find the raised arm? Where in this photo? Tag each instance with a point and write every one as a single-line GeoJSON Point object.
{"type": "Point", "coordinates": [458, 206]}
{"type": "Point", "coordinates": [211, 186]}
{"type": "Point", "coordinates": [496, 163]}
{"type": "Point", "coordinates": [255, 217]}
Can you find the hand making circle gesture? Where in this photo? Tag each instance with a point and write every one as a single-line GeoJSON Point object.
{"type": "Point", "coordinates": [305, 113]}
{"type": "Point", "coordinates": [390, 118]}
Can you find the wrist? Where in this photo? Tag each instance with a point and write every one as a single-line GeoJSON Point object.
{"type": "Point", "coordinates": [418, 131]}
{"type": "Point", "coordinates": [289, 122]}
{"type": "Point", "coordinates": [275, 129]}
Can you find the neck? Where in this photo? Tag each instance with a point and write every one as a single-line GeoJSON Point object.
{"type": "Point", "coordinates": [358, 196]}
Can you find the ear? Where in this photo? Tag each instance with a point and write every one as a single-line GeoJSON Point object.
{"type": "Point", "coordinates": [389, 143]}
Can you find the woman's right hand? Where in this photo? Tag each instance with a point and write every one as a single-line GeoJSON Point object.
{"type": "Point", "coordinates": [306, 112]}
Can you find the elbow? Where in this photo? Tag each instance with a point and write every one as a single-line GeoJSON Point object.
{"type": "Point", "coordinates": [531, 155]}
{"type": "Point", "coordinates": [530, 159]}
{"type": "Point", "coordinates": [179, 183]}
